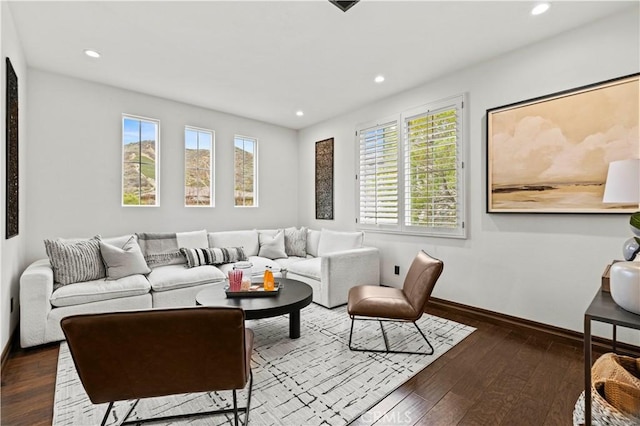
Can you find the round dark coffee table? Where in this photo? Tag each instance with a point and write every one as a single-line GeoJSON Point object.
{"type": "Point", "coordinates": [294, 295]}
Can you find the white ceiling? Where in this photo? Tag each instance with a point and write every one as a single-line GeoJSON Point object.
{"type": "Point", "coordinates": [267, 59]}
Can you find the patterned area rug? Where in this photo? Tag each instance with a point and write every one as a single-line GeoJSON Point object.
{"type": "Point", "coordinates": [312, 380]}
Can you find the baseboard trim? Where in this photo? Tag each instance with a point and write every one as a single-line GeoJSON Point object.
{"type": "Point", "coordinates": [598, 343]}
{"type": "Point", "coordinates": [8, 347]}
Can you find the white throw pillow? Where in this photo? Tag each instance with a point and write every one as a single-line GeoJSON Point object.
{"type": "Point", "coordinates": [272, 247]}
{"type": "Point", "coordinates": [295, 241]}
{"type": "Point", "coordinates": [123, 261]}
{"type": "Point", "coordinates": [332, 241]}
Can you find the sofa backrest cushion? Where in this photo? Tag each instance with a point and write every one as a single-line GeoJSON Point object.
{"type": "Point", "coordinates": [248, 240]}
{"type": "Point", "coordinates": [313, 238]}
{"type": "Point", "coordinates": [332, 241]}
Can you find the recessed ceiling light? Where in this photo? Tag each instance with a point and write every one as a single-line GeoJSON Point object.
{"type": "Point", "coordinates": [299, 113]}
{"type": "Point", "coordinates": [540, 8]}
{"type": "Point", "coordinates": [91, 53]}
{"type": "Point", "coordinates": [379, 79]}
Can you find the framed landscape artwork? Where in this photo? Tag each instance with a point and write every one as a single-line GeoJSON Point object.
{"type": "Point", "coordinates": [324, 179]}
{"type": "Point", "coordinates": [551, 154]}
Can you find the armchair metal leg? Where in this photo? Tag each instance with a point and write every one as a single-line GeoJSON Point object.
{"type": "Point", "coordinates": [386, 341]}
{"type": "Point", "coordinates": [106, 415]}
{"type": "Point", "coordinates": [235, 410]}
{"type": "Point", "coordinates": [246, 415]}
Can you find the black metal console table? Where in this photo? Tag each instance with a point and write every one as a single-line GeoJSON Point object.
{"type": "Point", "coordinates": [602, 309]}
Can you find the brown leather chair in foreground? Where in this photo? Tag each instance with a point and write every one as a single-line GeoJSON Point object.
{"type": "Point", "coordinates": [393, 304]}
{"type": "Point", "coordinates": [132, 355]}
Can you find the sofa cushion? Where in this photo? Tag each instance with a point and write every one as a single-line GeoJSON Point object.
{"type": "Point", "coordinates": [161, 249]}
{"type": "Point", "coordinates": [258, 266]}
{"type": "Point", "coordinates": [285, 263]}
{"type": "Point", "coordinates": [123, 260]}
{"type": "Point", "coordinates": [212, 256]}
{"type": "Point", "coordinates": [168, 277]}
{"type": "Point", "coordinates": [76, 261]}
{"type": "Point", "coordinates": [313, 238]}
{"type": "Point", "coordinates": [309, 268]}
{"type": "Point", "coordinates": [332, 241]}
{"type": "Point", "coordinates": [248, 240]}
{"type": "Point", "coordinates": [272, 246]}
{"type": "Point", "coordinates": [295, 241]}
{"type": "Point", "coordinates": [97, 290]}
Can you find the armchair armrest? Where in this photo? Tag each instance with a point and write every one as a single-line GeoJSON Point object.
{"type": "Point", "coordinates": [345, 269]}
{"type": "Point", "coordinates": [36, 288]}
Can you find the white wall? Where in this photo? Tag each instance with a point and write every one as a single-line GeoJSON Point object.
{"type": "Point", "coordinates": [74, 181]}
{"type": "Point", "coordinates": [544, 268]}
{"type": "Point", "coordinates": [12, 251]}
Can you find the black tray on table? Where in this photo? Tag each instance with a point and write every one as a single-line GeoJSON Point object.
{"type": "Point", "coordinates": [256, 290]}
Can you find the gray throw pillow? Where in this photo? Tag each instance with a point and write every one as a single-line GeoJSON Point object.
{"type": "Point", "coordinates": [123, 261]}
{"type": "Point", "coordinates": [75, 261]}
{"type": "Point", "coordinates": [272, 247]}
{"type": "Point", "coordinates": [295, 241]}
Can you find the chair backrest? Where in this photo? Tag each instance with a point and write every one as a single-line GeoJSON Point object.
{"type": "Point", "coordinates": [141, 354]}
{"type": "Point", "coordinates": [420, 281]}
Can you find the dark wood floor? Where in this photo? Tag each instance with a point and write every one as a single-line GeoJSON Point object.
{"type": "Point", "coordinates": [500, 375]}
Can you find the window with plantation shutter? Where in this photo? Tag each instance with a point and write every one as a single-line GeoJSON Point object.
{"type": "Point", "coordinates": [411, 172]}
{"type": "Point", "coordinates": [378, 178]}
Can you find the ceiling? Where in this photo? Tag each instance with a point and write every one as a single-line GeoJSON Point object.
{"type": "Point", "coordinates": [267, 59]}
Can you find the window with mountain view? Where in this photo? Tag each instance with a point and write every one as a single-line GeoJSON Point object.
{"type": "Point", "coordinates": [246, 171]}
{"type": "Point", "coordinates": [198, 167]}
{"type": "Point", "coordinates": [411, 172]}
{"type": "Point", "coordinates": [140, 146]}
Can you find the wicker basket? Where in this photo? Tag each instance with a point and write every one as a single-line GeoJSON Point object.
{"type": "Point", "coordinates": [615, 394]}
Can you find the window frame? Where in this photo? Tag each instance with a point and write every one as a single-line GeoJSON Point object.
{"type": "Point", "coordinates": [400, 119]}
{"type": "Point", "coordinates": [157, 159]}
{"type": "Point", "coordinates": [199, 130]}
{"type": "Point", "coordinates": [255, 170]}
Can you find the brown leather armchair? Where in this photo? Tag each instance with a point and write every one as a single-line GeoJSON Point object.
{"type": "Point", "coordinates": [393, 304]}
{"type": "Point", "coordinates": [142, 354]}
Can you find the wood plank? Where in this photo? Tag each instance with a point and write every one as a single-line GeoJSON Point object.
{"type": "Point", "coordinates": [448, 411]}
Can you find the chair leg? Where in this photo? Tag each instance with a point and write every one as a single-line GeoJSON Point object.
{"type": "Point", "coordinates": [235, 408]}
{"type": "Point", "coordinates": [384, 336]}
{"type": "Point", "coordinates": [106, 415]}
{"type": "Point", "coordinates": [386, 341]}
{"type": "Point", "coordinates": [246, 414]}
{"type": "Point", "coordinates": [426, 340]}
{"type": "Point", "coordinates": [353, 320]}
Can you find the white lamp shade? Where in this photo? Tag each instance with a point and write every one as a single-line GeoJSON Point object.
{"type": "Point", "coordinates": [623, 182]}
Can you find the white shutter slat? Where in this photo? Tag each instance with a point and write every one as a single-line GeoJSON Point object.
{"type": "Point", "coordinates": [379, 150]}
{"type": "Point", "coordinates": [431, 161]}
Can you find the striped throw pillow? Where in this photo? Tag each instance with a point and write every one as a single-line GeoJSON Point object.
{"type": "Point", "coordinates": [75, 261]}
{"type": "Point", "coordinates": [212, 256]}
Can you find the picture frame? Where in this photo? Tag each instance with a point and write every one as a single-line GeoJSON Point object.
{"type": "Point", "coordinates": [324, 179]}
{"type": "Point", "coordinates": [551, 154]}
{"type": "Point", "coordinates": [12, 225]}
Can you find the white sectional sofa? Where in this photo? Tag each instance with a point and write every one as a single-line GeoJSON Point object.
{"type": "Point", "coordinates": [333, 263]}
